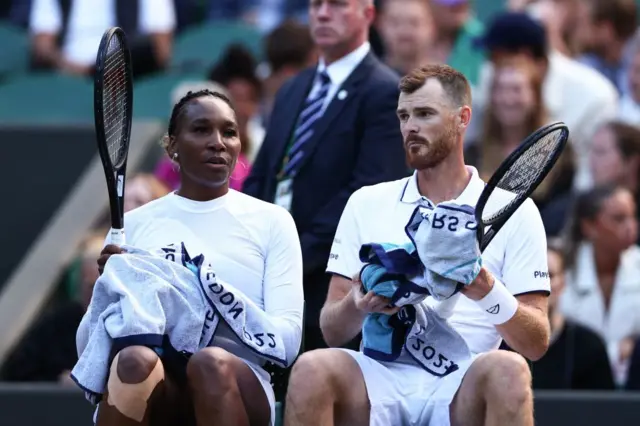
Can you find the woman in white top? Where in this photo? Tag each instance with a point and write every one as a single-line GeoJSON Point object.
{"type": "Point", "coordinates": [603, 270]}
{"type": "Point", "coordinates": [254, 246]}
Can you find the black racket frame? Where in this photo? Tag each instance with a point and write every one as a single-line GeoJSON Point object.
{"type": "Point", "coordinates": [113, 172]}
{"type": "Point", "coordinates": [484, 238]}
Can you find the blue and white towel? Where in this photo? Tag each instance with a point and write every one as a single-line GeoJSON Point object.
{"type": "Point", "coordinates": [418, 328]}
{"type": "Point", "coordinates": [144, 297]}
{"type": "Point", "coordinates": [446, 242]}
{"type": "Point", "coordinates": [386, 273]}
{"type": "Point", "coordinates": [443, 257]}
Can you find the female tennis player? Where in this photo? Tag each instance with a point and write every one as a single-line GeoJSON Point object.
{"type": "Point", "coordinates": [254, 246]}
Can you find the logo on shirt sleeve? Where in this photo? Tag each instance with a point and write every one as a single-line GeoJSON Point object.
{"type": "Point", "coordinates": [540, 274]}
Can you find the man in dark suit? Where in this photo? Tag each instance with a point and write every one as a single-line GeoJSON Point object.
{"type": "Point", "coordinates": [333, 130]}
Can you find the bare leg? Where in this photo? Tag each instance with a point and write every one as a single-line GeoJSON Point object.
{"type": "Point", "coordinates": [326, 387]}
{"type": "Point", "coordinates": [136, 383]}
{"type": "Point", "coordinates": [226, 391]}
{"type": "Point", "coordinates": [496, 391]}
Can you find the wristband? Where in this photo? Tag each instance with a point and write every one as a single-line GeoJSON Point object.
{"type": "Point", "coordinates": [499, 305]}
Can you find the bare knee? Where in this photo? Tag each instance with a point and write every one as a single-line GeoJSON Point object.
{"type": "Point", "coordinates": [313, 376]}
{"type": "Point", "coordinates": [211, 366]}
{"type": "Point", "coordinates": [134, 364]}
{"type": "Point", "coordinates": [507, 378]}
{"type": "Point", "coordinates": [135, 373]}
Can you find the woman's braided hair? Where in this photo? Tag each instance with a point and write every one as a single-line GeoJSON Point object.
{"type": "Point", "coordinates": [179, 107]}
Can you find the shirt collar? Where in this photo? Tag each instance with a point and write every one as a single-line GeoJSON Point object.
{"type": "Point", "coordinates": [340, 70]}
{"type": "Point", "coordinates": [411, 194]}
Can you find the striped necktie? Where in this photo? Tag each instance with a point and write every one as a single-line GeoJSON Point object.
{"type": "Point", "coordinates": [311, 113]}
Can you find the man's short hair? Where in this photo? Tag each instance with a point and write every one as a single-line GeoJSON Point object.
{"type": "Point", "coordinates": [454, 83]}
{"type": "Point", "coordinates": [622, 14]}
{"type": "Point", "coordinates": [288, 44]}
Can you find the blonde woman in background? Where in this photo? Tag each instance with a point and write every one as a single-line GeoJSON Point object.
{"type": "Point", "coordinates": [516, 110]}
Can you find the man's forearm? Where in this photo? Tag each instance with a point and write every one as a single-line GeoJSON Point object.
{"type": "Point", "coordinates": [527, 332]}
{"type": "Point", "coordinates": [341, 321]}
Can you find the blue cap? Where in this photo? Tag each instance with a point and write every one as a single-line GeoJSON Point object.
{"type": "Point", "coordinates": [514, 31]}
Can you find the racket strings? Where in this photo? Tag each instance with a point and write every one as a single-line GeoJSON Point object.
{"type": "Point", "coordinates": [115, 101]}
{"type": "Point", "coordinates": [523, 174]}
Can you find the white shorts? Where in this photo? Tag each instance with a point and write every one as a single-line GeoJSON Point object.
{"type": "Point", "coordinates": [265, 380]}
{"type": "Point", "coordinates": [405, 394]}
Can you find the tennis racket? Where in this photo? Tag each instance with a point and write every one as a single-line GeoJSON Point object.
{"type": "Point", "coordinates": [516, 178]}
{"type": "Point", "coordinates": [113, 104]}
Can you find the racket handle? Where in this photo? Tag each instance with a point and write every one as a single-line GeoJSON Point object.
{"type": "Point", "coordinates": [117, 237]}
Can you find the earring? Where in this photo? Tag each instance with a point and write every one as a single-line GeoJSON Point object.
{"type": "Point", "coordinates": [175, 155]}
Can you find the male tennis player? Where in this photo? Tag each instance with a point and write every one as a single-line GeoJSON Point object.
{"type": "Point", "coordinates": [491, 387]}
{"type": "Point", "coordinates": [255, 248]}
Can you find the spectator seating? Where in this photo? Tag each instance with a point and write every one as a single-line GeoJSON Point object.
{"type": "Point", "coordinates": [44, 98]}
{"type": "Point", "coordinates": [14, 54]}
{"type": "Point", "coordinates": [152, 96]}
{"type": "Point", "coordinates": [198, 48]}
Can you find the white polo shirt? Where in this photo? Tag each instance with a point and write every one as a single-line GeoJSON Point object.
{"type": "Point", "coordinates": [517, 256]}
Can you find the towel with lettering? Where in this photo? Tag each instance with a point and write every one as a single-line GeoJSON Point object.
{"type": "Point", "coordinates": [418, 328]}
{"type": "Point", "coordinates": [446, 242]}
{"type": "Point", "coordinates": [143, 298]}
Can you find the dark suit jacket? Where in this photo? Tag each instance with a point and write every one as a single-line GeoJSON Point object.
{"type": "Point", "coordinates": [357, 142]}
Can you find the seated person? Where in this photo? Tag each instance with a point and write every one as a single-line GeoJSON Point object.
{"type": "Point", "coordinates": [253, 246]}
{"type": "Point", "coordinates": [452, 372]}
{"type": "Point", "coordinates": [577, 357]}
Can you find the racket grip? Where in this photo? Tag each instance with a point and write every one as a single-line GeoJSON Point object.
{"type": "Point", "coordinates": [117, 237]}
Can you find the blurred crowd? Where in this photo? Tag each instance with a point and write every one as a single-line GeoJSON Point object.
{"type": "Point", "coordinates": [538, 61]}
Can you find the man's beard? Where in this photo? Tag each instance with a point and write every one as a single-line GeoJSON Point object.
{"type": "Point", "coordinates": [438, 150]}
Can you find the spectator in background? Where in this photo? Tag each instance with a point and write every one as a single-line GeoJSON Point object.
{"type": "Point", "coordinates": [603, 271]}
{"type": "Point", "coordinates": [236, 72]}
{"type": "Point", "coordinates": [264, 14]}
{"type": "Point", "coordinates": [603, 32]}
{"type": "Point", "coordinates": [577, 357]}
{"type": "Point", "coordinates": [630, 101]}
{"type": "Point", "coordinates": [47, 353]}
{"type": "Point", "coordinates": [559, 18]}
{"type": "Point", "coordinates": [333, 130]}
{"type": "Point", "coordinates": [514, 111]}
{"type": "Point", "coordinates": [407, 31]}
{"type": "Point", "coordinates": [66, 34]}
{"type": "Point", "coordinates": [572, 92]}
{"type": "Point", "coordinates": [289, 49]}
{"type": "Point", "coordinates": [614, 158]}
{"type": "Point", "coordinates": [455, 30]}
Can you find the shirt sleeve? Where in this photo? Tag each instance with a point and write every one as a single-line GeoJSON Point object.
{"type": "Point", "coordinates": [157, 16]}
{"type": "Point", "coordinates": [525, 259]}
{"type": "Point", "coordinates": [283, 294]}
{"type": "Point", "coordinates": [344, 258]}
{"type": "Point", "coordinates": [45, 17]}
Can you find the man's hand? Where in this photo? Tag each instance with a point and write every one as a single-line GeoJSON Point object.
{"type": "Point", "coordinates": [105, 254]}
{"type": "Point", "coordinates": [480, 287]}
{"type": "Point", "coordinates": [370, 302]}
